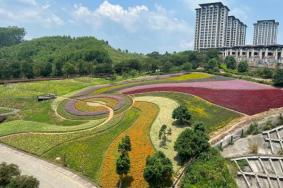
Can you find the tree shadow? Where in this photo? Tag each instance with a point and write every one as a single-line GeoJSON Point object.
{"type": "Point", "coordinates": [126, 182]}
{"type": "Point", "coordinates": [179, 161]}
{"type": "Point", "coordinates": [181, 124]}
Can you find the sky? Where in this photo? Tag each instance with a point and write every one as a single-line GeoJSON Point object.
{"type": "Point", "coordinates": [136, 25]}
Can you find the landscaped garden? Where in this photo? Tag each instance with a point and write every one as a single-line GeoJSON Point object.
{"type": "Point", "coordinates": [81, 128]}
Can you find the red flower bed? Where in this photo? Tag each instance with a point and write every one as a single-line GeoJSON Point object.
{"type": "Point", "coordinates": [246, 101]}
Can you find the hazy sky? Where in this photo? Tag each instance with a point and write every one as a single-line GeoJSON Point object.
{"type": "Point", "coordinates": [136, 25]}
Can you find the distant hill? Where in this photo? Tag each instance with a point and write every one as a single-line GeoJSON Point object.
{"type": "Point", "coordinates": [51, 48]}
{"type": "Point", "coordinates": [62, 56]}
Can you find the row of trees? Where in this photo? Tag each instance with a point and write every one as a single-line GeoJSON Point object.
{"type": "Point", "coordinates": [158, 170]}
{"type": "Point", "coordinates": [265, 73]}
{"type": "Point", "coordinates": [10, 176]}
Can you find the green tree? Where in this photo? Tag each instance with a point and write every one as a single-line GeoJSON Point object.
{"type": "Point", "coordinates": [278, 77]}
{"type": "Point", "coordinates": [103, 69]}
{"type": "Point", "coordinates": [15, 69]}
{"type": "Point", "coordinates": [7, 172]}
{"type": "Point", "coordinates": [163, 135]}
{"type": "Point", "coordinates": [166, 67]}
{"type": "Point", "coordinates": [212, 66]}
{"type": "Point", "coordinates": [4, 70]}
{"type": "Point", "coordinates": [46, 69]}
{"type": "Point", "coordinates": [123, 165]}
{"type": "Point", "coordinates": [69, 69]}
{"type": "Point", "coordinates": [27, 69]}
{"type": "Point", "coordinates": [181, 115]}
{"type": "Point", "coordinates": [162, 131]}
{"type": "Point", "coordinates": [243, 66]}
{"type": "Point", "coordinates": [191, 142]}
{"type": "Point", "coordinates": [24, 182]}
{"type": "Point", "coordinates": [231, 63]}
{"type": "Point", "coordinates": [267, 73]}
{"type": "Point", "coordinates": [158, 170]}
{"type": "Point", "coordinates": [11, 35]}
{"type": "Point", "coordinates": [59, 69]}
{"type": "Point", "coordinates": [188, 67]}
{"type": "Point", "coordinates": [212, 54]}
{"type": "Point", "coordinates": [125, 145]}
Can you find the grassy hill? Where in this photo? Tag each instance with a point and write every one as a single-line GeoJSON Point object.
{"type": "Point", "coordinates": [51, 48]}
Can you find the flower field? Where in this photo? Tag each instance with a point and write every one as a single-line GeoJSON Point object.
{"type": "Point", "coordinates": [87, 120]}
{"type": "Point", "coordinates": [247, 101]}
{"type": "Point", "coordinates": [141, 148]}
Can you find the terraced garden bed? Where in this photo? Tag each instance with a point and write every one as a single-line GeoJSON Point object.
{"type": "Point", "coordinates": [246, 101]}
{"type": "Point", "coordinates": [141, 148]}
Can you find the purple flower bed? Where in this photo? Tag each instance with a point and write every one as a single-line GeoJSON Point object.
{"type": "Point", "coordinates": [89, 90]}
{"type": "Point", "coordinates": [218, 85]}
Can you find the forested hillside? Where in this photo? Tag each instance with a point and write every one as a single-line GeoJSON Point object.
{"type": "Point", "coordinates": [59, 56]}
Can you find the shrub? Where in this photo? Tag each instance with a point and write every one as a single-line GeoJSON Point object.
{"type": "Point", "coordinates": [278, 77]}
{"type": "Point", "coordinates": [243, 66]}
{"type": "Point", "coordinates": [267, 73]}
{"type": "Point", "coordinates": [187, 67]}
{"type": "Point", "coordinates": [253, 148]}
{"type": "Point", "coordinates": [209, 170]}
{"type": "Point", "coordinates": [231, 63]}
{"type": "Point", "coordinates": [253, 129]}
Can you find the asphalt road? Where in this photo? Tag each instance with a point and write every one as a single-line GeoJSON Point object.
{"type": "Point", "coordinates": [49, 175]}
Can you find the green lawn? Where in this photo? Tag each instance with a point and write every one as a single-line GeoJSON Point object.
{"type": "Point", "coordinates": [86, 154]}
{"type": "Point", "coordinates": [23, 96]}
{"type": "Point", "coordinates": [4, 110]}
{"type": "Point", "coordinates": [213, 117]}
{"type": "Point", "coordinates": [22, 126]}
{"type": "Point", "coordinates": [39, 143]}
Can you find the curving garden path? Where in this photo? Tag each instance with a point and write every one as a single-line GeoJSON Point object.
{"type": "Point", "coordinates": [164, 117]}
{"type": "Point", "coordinates": [49, 175]}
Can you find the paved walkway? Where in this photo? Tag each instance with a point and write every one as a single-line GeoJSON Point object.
{"type": "Point", "coordinates": [49, 175]}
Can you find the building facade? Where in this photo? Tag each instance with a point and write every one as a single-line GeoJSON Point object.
{"type": "Point", "coordinates": [257, 56]}
{"type": "Point", "coordinates": [235, 33]}
{"type": "Point", "coordinates": [265, 32]}
{"type": "Point", "coordinates": [211, 25]}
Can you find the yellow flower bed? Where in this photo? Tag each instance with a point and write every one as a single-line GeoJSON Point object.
{"type": "Point", "coordinates": [191, 76]}
{"type": "Point", "coordinates": [141, 148]}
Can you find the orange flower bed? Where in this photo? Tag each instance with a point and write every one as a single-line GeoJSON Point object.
{"type": "Point", "coordinates": [141, 148]}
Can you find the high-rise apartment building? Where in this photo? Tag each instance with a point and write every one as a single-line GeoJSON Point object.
{"type": "Point", "coordinates": [215, 29]}
{"type": "Point", "coordinates": [211, 23]}
{"type": "Point", "coordinates": [265, 32]}
{"type": "Point", "coordinates": [235, 33]}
